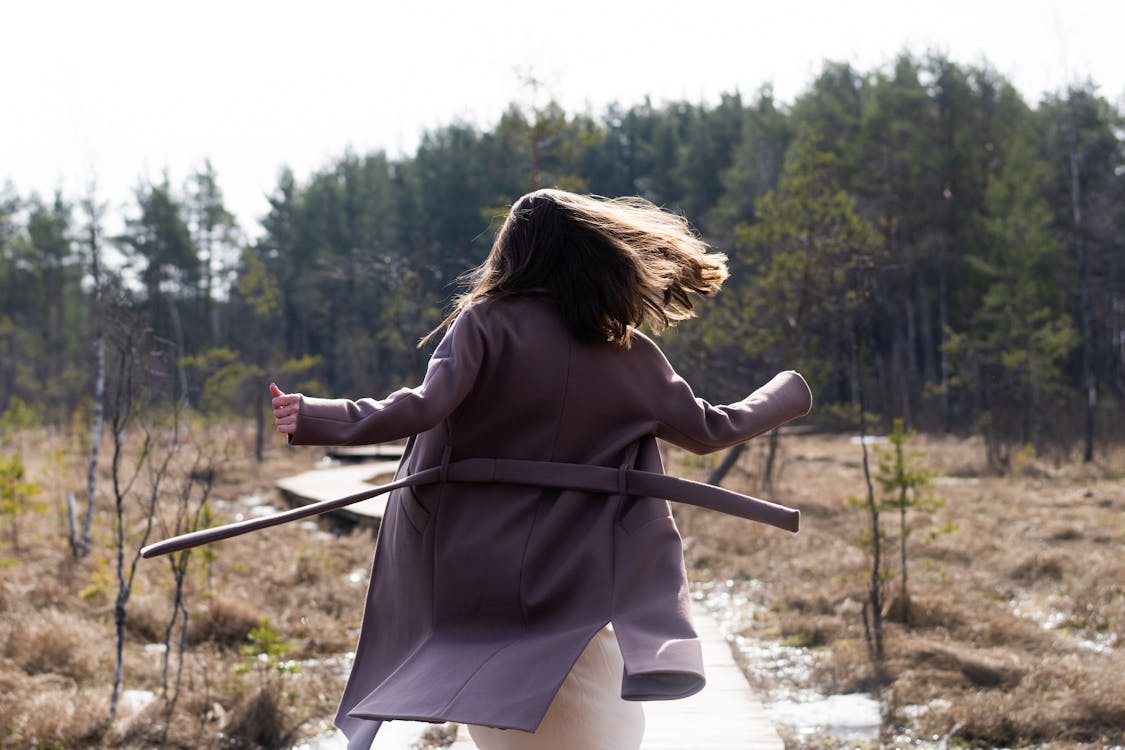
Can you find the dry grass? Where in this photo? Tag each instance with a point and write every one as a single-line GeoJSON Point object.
{"type": "Point", "coordinates": [438, 736]}
{"type": "Point", "coordinates": [57, 632]}
{"type": "Point", "coordinates": [49, 710]}
{"type": "Point", "coordinates": [56, 642]}
{"type": "Point", "coordinates": [1043, 546]}
{"type": "Point", "coordinates": [1016, 616]}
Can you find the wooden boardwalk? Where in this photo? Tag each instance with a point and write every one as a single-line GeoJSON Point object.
{"type": "Point", "coordinates": [725, 715]}
{"type": "Point", "coordinates": [340, 481]}
{"type": "Point", "coordinates": [382, 451]}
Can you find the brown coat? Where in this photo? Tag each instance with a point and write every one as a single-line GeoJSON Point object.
{"type": "Point", "coordinates": [483, 595]}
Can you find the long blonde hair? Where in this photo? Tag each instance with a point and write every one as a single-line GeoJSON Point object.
{"type": "Point", "coordinates": [611, 265]}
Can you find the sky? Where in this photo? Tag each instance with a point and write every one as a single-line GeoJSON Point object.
{"type": "Point", "coordinates": [120, 92]}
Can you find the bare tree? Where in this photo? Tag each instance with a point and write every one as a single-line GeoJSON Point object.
{"type": "Point", "coordinates": [127, 413]}
{"type": "Point", "coordinates": [80, 543]}
{"type": "Point", "coordinates": [191, 513]}
{"type": "Point", "coordinates": [873, 607]}
{"type": "Point", "coordinates": [1085, 303]}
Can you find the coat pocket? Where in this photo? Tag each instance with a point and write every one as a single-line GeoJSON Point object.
{"type": "Point", "coordinates": [640, 511]}
{"type": "Point", "coordinates": [416, 513]}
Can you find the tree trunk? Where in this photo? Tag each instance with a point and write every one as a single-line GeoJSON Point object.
{"type": "Point", "coordinates": [95, 440]}
{"type": "Point", "coordinates": [943, 324]}
{"type": "Point", "coordinates": [771, 460]}
{"type": "Point", "coordinates": [728, 463]}
{"type": "Point", "coordinates": [119, 615]}
{"type": "Point", "coordinates": [259, 422]}
{"type": "Point", "coordinates": [875, 582]}
{"type": "Point", "coordinates": [874, 629]}
{"type": "Point", "coordinates": [80, 546]}
{"type": "Point", "coordinates": [72, 525]}
{"type": "Point", "coordinates": [911, 382]}
{"type": "Point", "coordinates": [178, 332]}
{"type": "Point", "coordinates": [902, 557]}
{"type": "Point", "coordinates": [1085, 311]}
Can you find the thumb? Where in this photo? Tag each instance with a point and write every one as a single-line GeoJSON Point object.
{"type": "Point", "coordinates": [275, 391]}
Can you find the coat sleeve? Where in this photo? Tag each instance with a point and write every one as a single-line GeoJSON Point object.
{"type": "Point", "coordinates": [692, 423]}
{"type": "Point", "coordinates": [450, 375]}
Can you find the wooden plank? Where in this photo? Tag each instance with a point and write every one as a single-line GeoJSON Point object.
{"type": "Point", "coordinates": [725, 715]}
{"type": "Point", "coordinates": [387, 451]}
{"type": "Point", "coordinates": [340, 481]}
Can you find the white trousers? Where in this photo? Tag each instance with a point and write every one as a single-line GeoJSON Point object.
{"type": "Point", "coordinates": [587, 713]}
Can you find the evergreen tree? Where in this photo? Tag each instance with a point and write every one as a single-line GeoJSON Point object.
{"type": "Point", "coordinates": [808, 247]}
{"type": "Point", "coordinates": [1020, 334]}
{"type": "Point", "coordinates": [59, 314]}
{"type": "Point", "coordinates": [900, 183]}
{"type": "Point", "coordinates": [755, 168]}
{"type": "Point", "coordinates": [918, 219]}
{"type": "Point", "coordinates": [1081, 140]}
{"type": "Point", "coordinates": [215, 236]}
{"type": "Point", "coordinates": [159, 245]}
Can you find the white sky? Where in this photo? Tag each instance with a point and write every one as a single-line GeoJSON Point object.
{"type": "Point", "coordinates": [124, 90]}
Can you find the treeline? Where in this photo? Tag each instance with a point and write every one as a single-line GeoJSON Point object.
{"type": "Point", "coordinates": [918, 239]}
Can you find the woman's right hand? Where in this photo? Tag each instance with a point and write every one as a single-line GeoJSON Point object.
{"type": "Point", "coordinates": [285, 408]}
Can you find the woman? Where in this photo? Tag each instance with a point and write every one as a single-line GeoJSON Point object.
{"type": "Point", "coordinates": [488, 596]}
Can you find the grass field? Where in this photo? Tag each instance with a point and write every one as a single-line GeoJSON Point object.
{"type": "Point", "coordinates": [1017, 614]}
{"type": "Point", "coordinates": [1015, 637]}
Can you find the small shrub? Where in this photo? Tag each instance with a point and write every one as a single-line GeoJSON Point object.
{"type": "Point", "coordinates": [20, 416]}
{"type": "Point", "coordinates": [265, 653]}
{"type": "Point", "coordinates": [224, 621]}
{"type": "Point", "coordinates": [17, 495]}
{"type": "Point", "coordinates": [1024, 462]}
{"type": "Point", "coordinates": [101, 582]}
{"type": "Point", "coordinates": [259, 722]}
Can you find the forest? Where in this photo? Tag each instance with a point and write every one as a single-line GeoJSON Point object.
{"type": "Point", "coordinates": [918, 239]}
{"type": "Point", "coordinates": [941, 258]}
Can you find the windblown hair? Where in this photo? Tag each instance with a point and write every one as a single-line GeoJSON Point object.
{"type": "Point", "coordinates": [611, 265]}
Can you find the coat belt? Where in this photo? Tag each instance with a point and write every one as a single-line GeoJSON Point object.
{"type": "Point", "coordinates": [549, 474]}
